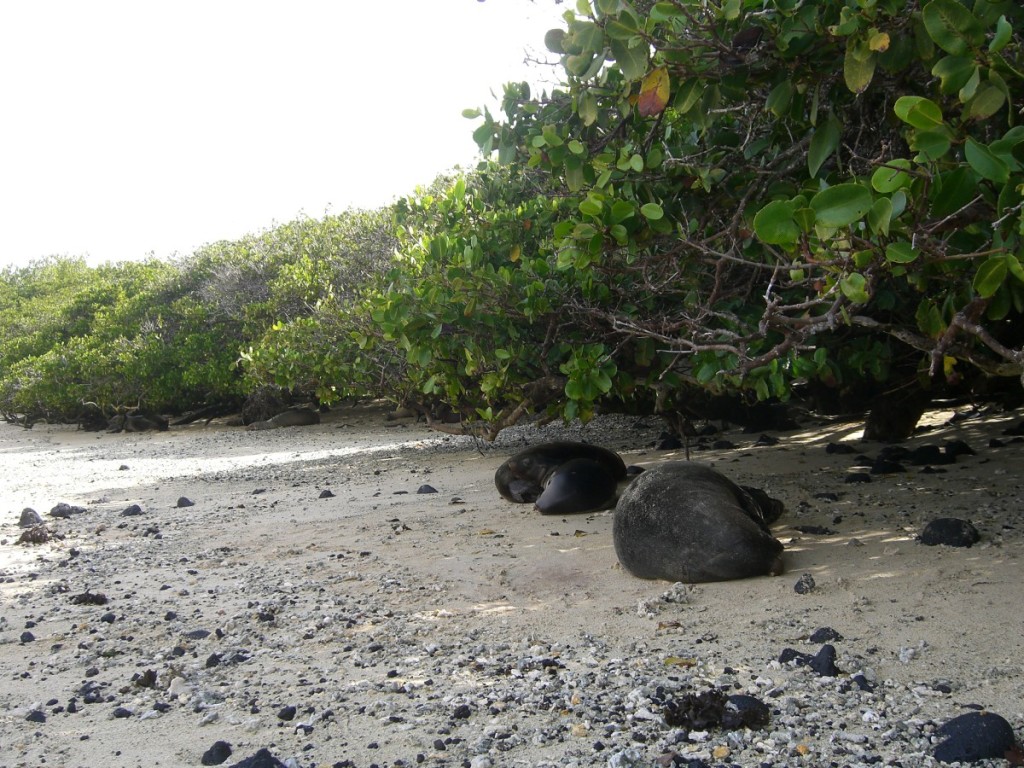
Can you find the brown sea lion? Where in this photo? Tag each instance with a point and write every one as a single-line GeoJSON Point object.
{"type": "Point", "coordinates": [562, 477]}
{"type": "Point", "coordinates": [686, 522]}
{"type": "Point", "coordinates": [293, 417]}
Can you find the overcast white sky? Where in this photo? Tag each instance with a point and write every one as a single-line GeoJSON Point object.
{"type": "Point", "coordinates": [130, 126]}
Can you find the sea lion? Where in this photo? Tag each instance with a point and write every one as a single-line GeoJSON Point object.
{"type": "Point", "coordinates": [294, 417]}
{"type": "Point", "coordinates": [686, 522]}
{"type": "Point", "coordinates": [561, 477]}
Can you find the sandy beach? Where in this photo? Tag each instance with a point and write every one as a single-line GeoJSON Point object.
{"type": "Point", "coordinates": [357, 593]}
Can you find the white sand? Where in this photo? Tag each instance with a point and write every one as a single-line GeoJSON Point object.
{"type": "Point", "coordinates": [451, 569]}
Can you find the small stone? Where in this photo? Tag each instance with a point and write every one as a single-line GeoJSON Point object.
{"type": "Point", "coordinates": [858, 477]}
{"type": "Point", "coordinates": [950, 531]}
{"type": "Point", "coordinates": [287, 713]}
{"type": "Point", "coordinates": [462, 712]}
{"type": "Point", "coordinates": [886, 467]}
{"type": "Point", "coordinates": [839, 448]}
{"type": "Point", "coordinates": [29, 518]}
{"type": "Point", "coordinates": [975, 736]}
{"type": "Point", "coordinates": [426, 489]}
{"type": "Point", "coordinates": [65, 510]}
{"type": "Point", "coordinates": [36, 716]}
{"type": "Point", "coordinates": [185, 501]}
{"type": "Point", "coordinates": [132, 511]}
{"type": "Point", "coordinates": [217, 754]}
{"type": "Point", "coordinates": [804, 584]}
{"type": "Point", "coordinates": [27, 637]}
{"type": "Point", "coordinates": [824, 635]}
{"type": "Point", "coordinates": [122, 712]}
{"type": "Point", "coordinates": [262, 759]}
{"type": "Point", "coordinates": [824, 663]}
{"type": "Point", "coordinates": [108, 618]}
{"type": "Point", "coordinates": [327, 493]}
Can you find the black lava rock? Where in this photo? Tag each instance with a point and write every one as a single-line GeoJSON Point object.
{"type": "Point", "coordinates": [858, 477]}
{"type": "Point", "coordinates": [122, 712]}
{"type": "Point", "coordinates": [287, 713]}
{"type": "Point", "coordinates": [89, 598]}
{"type": "Point", "coordinates": [863, 683]}
{"type": "Point", "coordinates": [1017, 429]}
{"type": "Point", "coordinates": [132, 511]}
{"type": "Point", "coordinates": [839, 448]}
{"type": "Point", "coordinates": [883, 466]}
{"type": "Point", "coordinates": [462, 712]}
{"type": "Point", "coordinates": [954, 448]}
{"type": "Point", "coordinates": [975, 736]}
{"type": "Point", "coordinates": [36, 716]}
{"type": "Point", "coordinates": [824, 635]}
{"type": "Point", "coordinates": [951, 531]}
{"type": "Point", "coordinates": [929, 454]}
{"type": "Point", "coordinates": [426, 489]}
{"type": "Point", "coordinates": [185, 501]}
{"type": "Point", "coordinates": [29, 518]}
{"type": "Point", "coordinates": [217, 754]}
{"type": "Point", "coordinates": [262, 759]}
{"type": "Point", "coordinates": [326, 494]}
{"type": "Point", "coordinates": [804, 584]}
{"type": "Point", "coordinates": [742, 711]}
{"type": "Point", "coordinates": [696, 711]}
{"type": "Point", "coordinates": [814, 530]}
{"type": "Point", "coordinates": [66, 510]}
{"type": "Point", "coordinates": [824, 663]}
{"type": "Point", "coordinates": [669, 443]}
{"type": "Point", "coordinates": [27, 637]}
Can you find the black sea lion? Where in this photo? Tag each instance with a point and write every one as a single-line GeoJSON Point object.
{"type": "Point", "coordinates": [686, 522]}
{"type": "Point", "coordinates": [561, 477]}
{"type": "Point", "coordinates": [294, 417]}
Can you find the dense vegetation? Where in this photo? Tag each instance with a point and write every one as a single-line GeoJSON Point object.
{"type": "Point", "coordinates": [742, 199]}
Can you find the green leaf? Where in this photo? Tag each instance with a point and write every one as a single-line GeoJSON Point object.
{"type": "Point", "coordinates": [988, 100]}
{"type": "Point", "coordinates": [688, 95]}
{"type": "Point", "coordinates": [587, 108]}
{"type": "Point", "coordinates": [632, 61]}
{"type": "Point", "coordinates": [553, 40]}
{"type": "Point", "coordinates": [774, 224]}
{"type": "Point", "coordinates": [779, 99]}
{"type": "Point", "coordinates": [901, 252]}
{"type": "Point", "coordinates": [591, 207]}
{"type": "Point", "coordinates": [954, 72]}
{"type": "Point", "coordinates": [574, 174]}
{"type": "Point", "coordinates": [1004, 31]}
{"type": "Point", "coordinates": [841, 205]}
{"type": "Point", "coordinates": [652, 211]}
{"type": "Point", "coordinates": [952, 190]}
{"type": "Point", "coordinates": [985, 163]}
{"type": "Point", "coordinates": [990, 276]}
{"type": "Point", "coordinates": [857, 71]}
{"type": "Point", "coordinates": [622, 210]}
{"type": "Point", "coordinates": [918, 111]}
{"type": "Point", "coordinates": [892, 176]}
{"type": "Point", "coordinates": [823, 144]}
{"type": "Point", "coordinates": [880, 216]}
{"type": "Point", "coordinates": [854, 287]}
{"type": "Point", "coordinates": [951, 26]}
{"type": "Point", "coordinates": [665, 11]}
{"type": "Point", "coordinates": [930, 145]}
{"type": "Point", "coordinates": [929, 319]}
